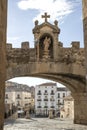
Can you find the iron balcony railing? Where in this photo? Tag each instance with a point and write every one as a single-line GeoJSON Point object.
{"type": "Point", "coordinates": [45, 106]}
{"type": "Point", "coordinates": [38, 106]}
{"type": "Point", "coordinates": [52, 107]}
{"type": "Point", "coordinates": [51, 93]}
{"type": "Point", "coordinates": [45, 93]}
{"type": "Point", "coordinates": [52, 99]}
{"type": "Point", "coordinates": [38, 93]}
{"type": "Point", "coordinates": [39, 100]}
{"type": "Point", "coordinates": [45, 99]}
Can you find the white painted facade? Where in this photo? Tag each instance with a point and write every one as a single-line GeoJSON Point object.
{"type": "Point", "coordinates": [60, 95]}
{"type": "Point", "coordinates": [46, 98]}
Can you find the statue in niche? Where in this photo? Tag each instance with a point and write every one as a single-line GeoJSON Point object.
{"type": "Point", "coordinates": [46, 42]}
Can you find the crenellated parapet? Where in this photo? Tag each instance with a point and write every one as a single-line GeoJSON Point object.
{"type": "Point", "coordinates": [74, 55]}
{"type": "Point", "coordinates": [21, 55]}
{"type": "Point", "coordinates": [24, 55]}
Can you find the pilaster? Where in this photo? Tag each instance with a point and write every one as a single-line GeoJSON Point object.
{"type": "Point", "coordinates": [84, 9]}
{"type": "Point", "coordinates": [55, 46]}
{"type": "Point", "coordinates": [3, 23]}
{"type": "Point", "coordinates": [80, 108]}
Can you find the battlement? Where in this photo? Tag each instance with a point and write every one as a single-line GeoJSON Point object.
{"type": "Point", "coordinates": [24, 45]}
{"type": "Point", "coordinates": [9, 46]}
{"type": "Point", "coordinates": [75, 44]}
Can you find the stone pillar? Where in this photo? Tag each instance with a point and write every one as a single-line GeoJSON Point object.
{"type": "Point", "coordinates": [3, 23]}
{"type": "Point", "coordinates": [80, 108]}
{"type": "Point", "coordinates": [55, 46]}
{"type": "Point", "coordinates": [27, 115]}
{"type": "Point", "coordinates": [51, 114]}
{"type": "Point", "coordinates": [84, 7]}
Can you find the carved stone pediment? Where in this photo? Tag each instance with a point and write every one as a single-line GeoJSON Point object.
{"type": "Point", "coordinates": [46, 25]}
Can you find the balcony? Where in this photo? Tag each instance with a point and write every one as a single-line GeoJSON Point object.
{"type": "Point", "coordinates": [45, 106]}
{"type": "Point", "coordinates": [51, 93]}
{"type": "Point", "coordinates": [26, 97]}
{"type": "Point", "coordinates": [52, 107]}
{"type": "Point", "coordinates": [45, 93]}
{"type": "Point", "coordinates": [45, 99]}
{"type": "Point", "coordinates": [52, 99]}
{"type": "Point", "coordinates": [6, 97]}
{"type": "Point", "coordinates": [39, 100]}
{"type": "Point", "coordinates": [18, 97]}
{"type": "Point", "coordinates": [38, 93]}
{"type": "Point", "coordinates": [38, 106]}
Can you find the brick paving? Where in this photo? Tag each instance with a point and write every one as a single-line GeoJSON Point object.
{"type": "Point", "coordinates": [42, 124]}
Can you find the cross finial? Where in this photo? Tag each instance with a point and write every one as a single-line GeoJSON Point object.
{"type": "Point", "coordinates": [45, 16]}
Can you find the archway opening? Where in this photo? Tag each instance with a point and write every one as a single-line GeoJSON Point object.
{"type": "Point", "coordinates": [52, 93]}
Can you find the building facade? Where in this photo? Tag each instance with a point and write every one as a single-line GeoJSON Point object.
{"type": "Point", "coordinates": [68, 110]}
{"type": "Point", "coordinates": [61, 93]}
{"type": "Point", "coordinates": [17, 95]}
{"type": "Point", "coordinates": [49, 97]}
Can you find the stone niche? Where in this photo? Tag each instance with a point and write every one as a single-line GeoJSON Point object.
{"type": "Point", "coordinates": [46, 47]}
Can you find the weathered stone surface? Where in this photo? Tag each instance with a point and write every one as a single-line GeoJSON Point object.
{"type": "Point", "coordinates": [3, 12]}
{"type": "Point", "coordinates": [84, 3]}
{"type": "Point", "coordinates": [53, 61]}
{"type": "Point", "coordinates": [80, 108]}
{"type": "Point", "coordinates": [66, 65]}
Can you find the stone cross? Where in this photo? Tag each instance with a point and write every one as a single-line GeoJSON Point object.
{"type": "Point", "coordinates": [45, 16]}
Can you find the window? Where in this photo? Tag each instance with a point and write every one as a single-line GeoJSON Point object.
{"type": "Point", "coordinates": [39, 92]}
{"type": "Point", "coordinates": [6, 102]}
{"type": "Point", "coordinates": [6, 96]}
{"type": "Point", "coordinates": [52, 92]}
{"type": "Point", "coordinates": [45, 91]}
{"type": "Point", "coordinates": [18, 103]}
{"type": "Point", "coordinates": [63, 94]}
{"type": "Point", "coordinates": [18, 96]}
{"type": "Point", "coordinates": [45, 96]}
{"type": "Point", "coordinates": [58, 95]}
{"type": "Point", "coordinates": [58, 102]}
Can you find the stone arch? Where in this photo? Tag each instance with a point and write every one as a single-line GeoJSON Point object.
{"type": "Point", "coordinates": [72, 79]}
{"type": "Point", "coordinates": [76, 83]}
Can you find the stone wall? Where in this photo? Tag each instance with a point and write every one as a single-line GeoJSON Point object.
{"type": "Point", "coordinates": [84, 9]}
{"type": "Point", "coordinates": [24, 55]}
{"type": "Point", "coordinates": [3, 23]}
{"type": "Point", "coordinates": [17, 56]}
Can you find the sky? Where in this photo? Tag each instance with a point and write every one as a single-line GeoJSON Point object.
{"type": "Point", "coordinates": [23, 13]}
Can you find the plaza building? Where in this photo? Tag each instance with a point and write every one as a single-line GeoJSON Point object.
{"type": "Point", "coordinates": [17, 95]}
{"type": "Point", "coordinates": [48, 96]}
{"type": "Point", "coordinates": [67, 111]}
{"type": "Point", "coordinates": [61, 93]}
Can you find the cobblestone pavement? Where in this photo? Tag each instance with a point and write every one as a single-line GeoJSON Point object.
{"type": "Point", "coordinates": [42, 124]}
